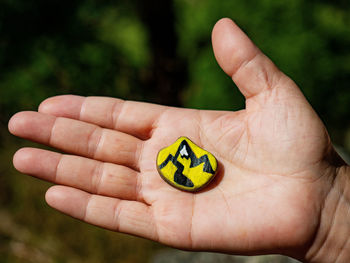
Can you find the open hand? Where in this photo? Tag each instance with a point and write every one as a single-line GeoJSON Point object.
{"type": "Point", "coordinates": [274, 161]}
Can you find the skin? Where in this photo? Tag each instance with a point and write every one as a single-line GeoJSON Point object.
{"type": "Point", "coordinates": [277, 166]}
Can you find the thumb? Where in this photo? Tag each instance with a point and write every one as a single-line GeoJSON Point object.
{"type": "Point", "coordinates": [250, 69]}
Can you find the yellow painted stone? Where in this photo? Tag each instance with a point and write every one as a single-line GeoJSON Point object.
{"type": "Point", "coordinates": [186, 166]}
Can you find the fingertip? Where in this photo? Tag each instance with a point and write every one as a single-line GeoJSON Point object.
{"type": "Point", "coordinates": [18, 121]}
{"type": "Point", "coordinates": [21, 159]}
{"type": "Point", "coordinates": [231, 45]}
{"type": "Point", "coordinates": [37, 162]}
{"type": "Point", "coordinates": [68, 200]}
{"type": "Point", "coordinates": [59, 197]}
{"type": "Point", "coordinates": [54, 195]}
{"type": "Point", "coordinates": [222, 21]}
{"type": "Point", "coordinates": [31, 125]}
{"type": "Point", "coordinates": [46, 105]}
{"type": "Point", "coordinates": [63, 105]}
{"type": "Point", "coordinates": [11, 123]}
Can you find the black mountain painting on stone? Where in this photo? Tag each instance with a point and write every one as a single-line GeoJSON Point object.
{"type": "Point", "coordinates": [186, 152]}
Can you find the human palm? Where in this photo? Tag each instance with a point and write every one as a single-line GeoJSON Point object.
{"type": "Point", "coordinates": [266, 197]}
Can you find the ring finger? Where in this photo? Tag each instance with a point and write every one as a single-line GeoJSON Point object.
{"type": "Point", "coordinates": [86, 174]}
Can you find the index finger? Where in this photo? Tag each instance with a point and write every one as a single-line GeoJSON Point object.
{"type": "Point", "coordinates": [135, 118]}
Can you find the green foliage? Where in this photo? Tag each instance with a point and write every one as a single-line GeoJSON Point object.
{"type": "Point", "coordinates": [95, 48]}
{"type": "Point", "coordinates": [209, 88]}
{"type": "Point", "coordinates": [309, 41]}
{"type": "Point", "coordinates": [86, 48]}
{"type": "Point", "coordinates": [127, 35]}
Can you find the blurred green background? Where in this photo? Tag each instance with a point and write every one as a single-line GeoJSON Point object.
{"type": "Point", "coordinates": [156, 51]}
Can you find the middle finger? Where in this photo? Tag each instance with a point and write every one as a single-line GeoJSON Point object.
{"type": "Point", "coordinates": [78, 137]}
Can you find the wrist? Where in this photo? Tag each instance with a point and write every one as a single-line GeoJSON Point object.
{"type": "Point", "coordinates": [330, 243]}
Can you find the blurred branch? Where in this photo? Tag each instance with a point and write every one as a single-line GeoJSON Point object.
{"type": "Point", "coordinates": [168, 73]}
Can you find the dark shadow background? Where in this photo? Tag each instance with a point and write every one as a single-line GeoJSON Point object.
{"type": "Point", "coordinates": [157, 51]}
